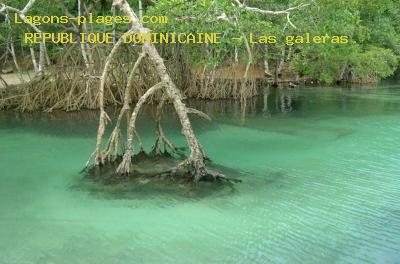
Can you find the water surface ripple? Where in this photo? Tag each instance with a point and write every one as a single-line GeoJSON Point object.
{"type": "Point", "coordinates": [320, 170]}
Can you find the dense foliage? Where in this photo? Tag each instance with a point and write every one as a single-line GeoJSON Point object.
{"type": "Point", "coordinates": [373, 28]}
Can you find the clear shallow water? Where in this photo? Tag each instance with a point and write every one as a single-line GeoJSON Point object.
{"type": "Point", "coordinates": [320, 171]}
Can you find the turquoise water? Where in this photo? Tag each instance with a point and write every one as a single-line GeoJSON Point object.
{"type": "Point", "coordinates": [320, 170]}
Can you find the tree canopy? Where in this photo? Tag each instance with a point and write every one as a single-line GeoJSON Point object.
{"type": "Point", "coordinates": [373, 29]}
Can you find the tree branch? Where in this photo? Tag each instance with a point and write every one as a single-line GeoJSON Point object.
{"type": "Point", "coordinates": [270, 12]}
{"type": "Point", "coordinates": [286, 12]}
{"type": "Point", "coordinates": [199, 113]}
{"type": "Point", "coordinates": [21, 14]}
{"type": "Point", "coordinates": [28, 6]}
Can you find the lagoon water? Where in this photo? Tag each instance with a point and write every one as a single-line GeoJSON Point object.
{"type": "Point", "coordinates": [321, 184]}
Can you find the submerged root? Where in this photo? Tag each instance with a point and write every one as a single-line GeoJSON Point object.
{"type": "Point", "coordinates": [113, 145]}
{"type": "Point", "coordinates": [145, 180]}
{"type": "Point", "coordinates": [197, 173]}
{"type": "Point", "coordinates": [163, 140]}
{"type": "Point", "coordinates": [159, 168]}
{"type": "Point", "coordinates": [124, 168]}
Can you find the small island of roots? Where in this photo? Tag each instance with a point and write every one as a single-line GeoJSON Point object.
{"type": "Point", "coordinates": [193, 167]}
{"type": "Point", "coordinates": [150, 169]}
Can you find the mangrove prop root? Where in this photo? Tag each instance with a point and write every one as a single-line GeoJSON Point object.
{"type": "Point", "coordinates": [124, 167]}
{"type": "Point", "coordinates": [161, 138]}
{"type": "Point", "coordinates": [184, 168]}
{"type": "Point", "coordinates": [113, 145]}
{"type": "Point", "coordinates": [103, 115]}
{"type": "Point", "coordinates": [194, 164]}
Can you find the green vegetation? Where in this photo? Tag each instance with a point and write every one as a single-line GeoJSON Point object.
{"type": "Point", "coordinates": [372, 26]}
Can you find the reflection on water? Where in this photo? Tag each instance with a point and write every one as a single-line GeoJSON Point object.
{"type": "Point", "coordinates": [320, 185]}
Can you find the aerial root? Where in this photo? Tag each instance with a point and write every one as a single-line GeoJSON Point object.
{"type": "Point", "coordinates": [162, 139]}
{"type": "Point", "coordinates": [198, 174]}
{"type": "Point", "coordinates": [217, 176]}
{"type": "Point", "coordinates": [113, 145]}
{"type": "Point", "coordinates": [124, 168]}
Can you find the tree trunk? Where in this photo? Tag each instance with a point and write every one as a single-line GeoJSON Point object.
{"type": "Point", "coordinates": [194, 164]}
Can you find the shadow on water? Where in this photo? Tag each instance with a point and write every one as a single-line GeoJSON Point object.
{"type": "Point", "coordinates": [274, 178]}
{"type": "Point", "coordinates": [146, 183]}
